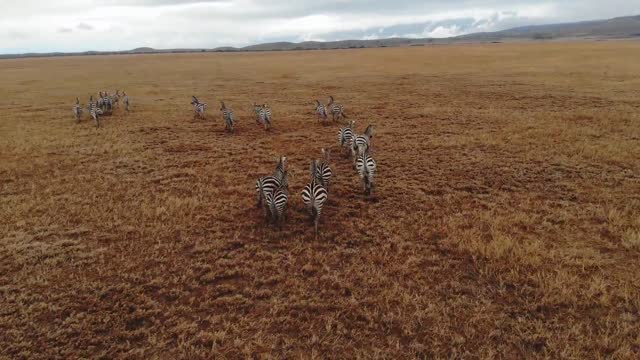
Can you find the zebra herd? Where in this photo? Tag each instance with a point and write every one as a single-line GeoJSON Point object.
{"type": "Point", "coordinates": [102, 105]}
{"type": "Point", "coordinates": [263, 112]}
{"type": "Point", "coordinates": [272, 191]}
{"type": "Point", "coordinates": [336, 110]}
{"type": "Point", "coordinates": [200, 112]}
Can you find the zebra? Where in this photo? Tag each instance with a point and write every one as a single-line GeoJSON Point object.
{"type": "Point", "coordinates": [115, 98]}
{"type": "Point", "coordinates": [95, 111]}
{"type": "Point", "coordinates": [125, 100]}
{"type": "Point", "coordinates": [77, 110]}
{"type": "Point", "coordinates": [260, 114]}
{"type": "Point", "coordinates": [267, 115]}
{"type": "Point", "coordinates": [227, 116]}
{"type": "Point", "coordinates": [263, 115]}
{"type": "Point", "coordinates": [199, 109]}
{"type": "Point", "coordinates": [361, 143]}
{"type": "Point", "coordinates": [100, 101]}
{"type": "Point", "coordinates": [314, 196]}
{"type": "Point", "coordinates": [268, 184]}
{"type": "Point", "coordinates": [276, 201]}
{"type": "Point", "coordinates": [345, 136]}
{"type": "Point", "coordinates": [321, 110]}
{"type": "Point", "coordinates": [337, 110]}
{"type": "Point", "coordinates": [323, 171]}
{"type": "Point", "coordinates": [107, 103]}
{"type": "Point", "coordinates": [366, 167]}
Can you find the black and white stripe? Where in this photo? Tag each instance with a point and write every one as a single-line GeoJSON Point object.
{"type": "Point", "coordinates": [267, 115]}
{"type": "Point", "coordinates": [107, 103]}
{"type": "Point", "coordinates": [361, 143]}
{"type": "Point", "coordinates": [321, 111]}
{"type": "Point", "coordinates": [277, 204]}
{"type": "Point", "coordinates": [336, 110]}
{"type": "Point", "coordinates": [366, 167]}
{"type": "Point", "coordinates": [314, 196]}
{"type": "Point", "coordinates": [227, 116]}
{"type": "Point", "coordinates": [77, 110]}
{"type": "Point", "coordinates": [115, 98]}
{"type": "Point", "coordinates": [268, 184]}
{"type": "Point", "coordinates": [125, 100]}
{"type": "Point", "coordinates": [95, 111]}
{"type": "Point", "coordinates": [346, 135]}
{"type": "Point", "coordinates": [263, 115]}
{"type": "Point", "coordinates": [260, 114]}
{"type": "Point", "coordinates": [199, 109]}
{"type": "Point", "coordinates": [323, 171]}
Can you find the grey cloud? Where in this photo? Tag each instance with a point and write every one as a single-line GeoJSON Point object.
{"type": "Point", "coordinates": [83, 26]}
{"type": "Point", "coordinates": [18, 35]}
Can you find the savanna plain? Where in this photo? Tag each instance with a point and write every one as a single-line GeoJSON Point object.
{"type": "Point", "coordinates": [505, 222]}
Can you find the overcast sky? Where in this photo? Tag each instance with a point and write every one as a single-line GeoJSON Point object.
{"type": "Point", "coordinates": [80, 25]}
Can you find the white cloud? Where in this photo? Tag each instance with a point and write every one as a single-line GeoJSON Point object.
{"type": "Point", "coordinates": [443, 32]}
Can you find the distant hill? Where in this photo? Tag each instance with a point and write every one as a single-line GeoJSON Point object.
{"type": "Point", "coordinates": [618, 28]}
{"type": "Point", "coordinates": [622, 27]}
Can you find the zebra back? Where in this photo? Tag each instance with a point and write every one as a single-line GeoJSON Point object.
{"type": "Point", "coordinates": [323, 170]}
{"type": "Point", "coordinates": [314, 194]}
{"type": "Point", "coordinates": [366, 167]}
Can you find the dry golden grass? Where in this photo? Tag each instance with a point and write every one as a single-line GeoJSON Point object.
{"type": "Point", "coordinates": [506, 223]}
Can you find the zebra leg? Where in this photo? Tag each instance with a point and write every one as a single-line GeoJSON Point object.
{"type": "Point", "coordinates": [315, 222]}
{"type": "Point", "coordinates": [260, 200]}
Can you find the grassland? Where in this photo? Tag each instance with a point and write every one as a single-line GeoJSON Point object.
{"type": "Point", "coordinates": [506, 222]}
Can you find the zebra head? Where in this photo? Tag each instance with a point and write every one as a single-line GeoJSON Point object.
{"type": "Point", "coordinates": [77, 101]}
{"type": "Point", "coordinates": [330, 100]}
{"type": "Point", "coordinates": [222, 106]}
{"type": "Point", "coordinates": [314, 171]}
{"type": "Point", "coordinates": [352, 124]}
{"type": "Point", "coordinates": [326, 155]}
{"type": "Point", "coordinates": [284, 183]}
{"type": "Point", "coordinates": [194, 100]}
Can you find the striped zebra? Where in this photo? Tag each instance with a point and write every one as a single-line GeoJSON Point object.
{"type": "Point", "coordinates": [107, 103]}
{"type": "Point", "coordinates": [199, 109]}
{"type": "Point", "coordinates": [227, 116]}
{"type": "Point", "coordinates": [337, 110]}
{"type": "Point", "coordinates": [77, 110]}
{"type": "Point", "coordinates": [260, 115]}
{"type": "Point", "coordinates": [125, 100]}
{"type": "Point", "coordinates": [366, 167]}
{"type": "Point", "coordinates": [268, 184]}
{"type": "Point", "coordinates": [345, 136]}
{"type": "Point", "coordinates": [321, 111]}
{"type": "Point", "coordinates": [276, 202]}
{"type": "Point", "coordinates": [115, 99]}
{"type": "Point", "coordinates": [100, 101]}
{"type": "Point", "coordinates": [267, 115]}
{"type": "Point", "coordinates": [95, 111]}
{"type": "Point", "coordinates": [323, 170]}
{"type": "Point", "coordinates": [314, 196]}
{"type": "Point", "coordinates": [263, 115]}
{"type": "Point", "coordinates": [361, 143]}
